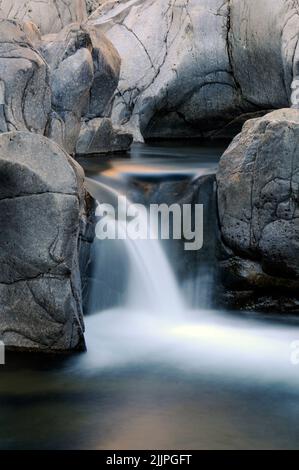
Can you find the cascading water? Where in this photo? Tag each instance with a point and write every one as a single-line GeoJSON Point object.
{"type": "Point", "coordinates": [153, 322]}
{"type": "Point", "coordinates": [151, 282]}
{"type": "Point", "coordinates": [158, 374]}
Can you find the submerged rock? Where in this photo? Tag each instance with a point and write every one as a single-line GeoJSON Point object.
{"type": "Point", "coordinates": [45, 219]}
{"type": "Point", "coordinates": [25, 95]}
{"type": "Point", "coordinates": [258, 182]}
{"type": "Point", "coordinates": [99, 136]}
{"type": "Point", "coordinates": [49, 15]}
{"type": "Point", "coordinates": [191, 67]}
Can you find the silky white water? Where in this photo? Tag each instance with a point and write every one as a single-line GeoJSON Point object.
{"type": "Point", "coordinates": [154, 325]}
{"type": "Point", "coordinates": [205, 344]}
{"type": "Point", "coordinates": [200, 379]}
{"type": "Point", "coordinates": [151, 285]}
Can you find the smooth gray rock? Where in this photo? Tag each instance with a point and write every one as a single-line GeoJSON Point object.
{"type": "Point", "coordinates": [68, 55]}
{"type": "Point", "coordinates": [25, 96]}
{"type": "Point", "coordinates": [55, 48]}
{"type": "Point", "coordinates": [59, 48]}
{"type": "Point", "coordinates": [263, 38]}
{"type": "Point", "coordinates": [189, 67]}
{"type": "Point", "coordinates": [71, 82]}
{"type": "Point", "coordinates": [84, 75]}
{"type": "Point", "coordinates": [64, 129]}
{"type": "Point", "coordinates": [258, 182]}
{"type": "Point", "coordinates": [106, 61]}
{"type": "Point", "coordinates": [49, 15]}
{"type": "Point", "coordinates": [99, 136]}
{"type": "Point", "coordinates": [44, 219]}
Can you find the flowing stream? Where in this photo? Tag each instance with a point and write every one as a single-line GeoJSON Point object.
{"type": "Point", "coordinates": [152, 285]}
{"type": "Point", "coordinates": [166, 367]}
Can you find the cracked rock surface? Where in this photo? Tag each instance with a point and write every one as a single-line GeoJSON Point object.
{"type": "Point", "coordinates": [84, 72]}
{"type": "Point", "coordinates": [44, 224]}
{"type": "Point", "coordinates": [200, 63]}
{"type": "Point", "coordinates": [69, 57]}
{"type": "Point", "coordinates": [49, 15]}
{"type": "Point", "coordinates": [258, 199]}
{"type": "Point", "coordinates": [25, 95]}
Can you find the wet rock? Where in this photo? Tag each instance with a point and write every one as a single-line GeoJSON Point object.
{"type": "Point", "coordinates": [25, 96]}
{"type": "Point", "coordinates": [200, 64]}
{"type": "Point", "coordinates": [49, 15]}
{"type": "Point", "coordinates": [45, 218]}
{"type": "Point", "coordinates": [86, 241]}
{"type": "Point", "coordinates": [99, 136]}
{"type": "Point", "coordinates": [258, 206]}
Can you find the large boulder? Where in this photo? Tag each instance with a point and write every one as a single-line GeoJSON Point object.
{"type": "Point", "coordinates": [68, 55]}
{"type": "Point", "coordinates": [191, 67]}
{"type": "Point", "coordinates": [44, 222]}
{"type": "Point", "coordinates": [50, 84]}
{"type": "Point", "coordinates": [106, 61]}
{"type": "Point", "coordinates": [25, 96]}
{"type": "Point", "coordinates": [84, 70]}
{"type": "Point", "coordinates": [258, 199]}
{"type": "Point", "coordinates": [49, 15]}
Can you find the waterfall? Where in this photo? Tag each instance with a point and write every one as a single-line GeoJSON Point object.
{"type": "Point", "coordinates": [141, 319]}
{"type": "Point", "coordinates": [151, 283]}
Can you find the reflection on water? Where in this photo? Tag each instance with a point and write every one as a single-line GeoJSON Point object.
{"type": "Point", "coordinates": [203, 380]}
